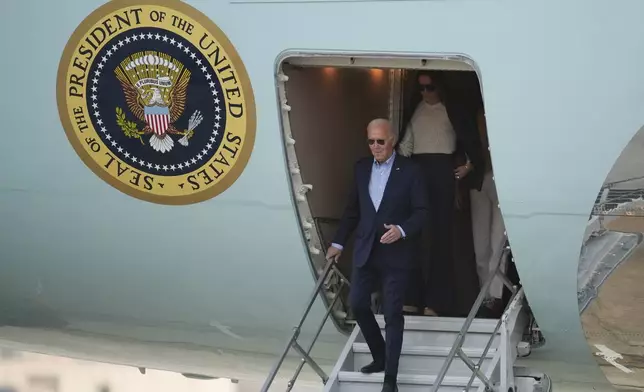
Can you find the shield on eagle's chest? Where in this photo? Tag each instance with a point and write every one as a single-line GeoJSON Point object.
{"type": "Point", "coordinates": [158, 118]}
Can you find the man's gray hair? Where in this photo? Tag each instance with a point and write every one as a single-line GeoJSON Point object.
{"type": "Point", "coordinates": [383, 122]}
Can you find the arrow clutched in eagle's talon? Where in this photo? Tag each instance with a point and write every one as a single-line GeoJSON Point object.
{"type": "Point", "coordinates": [193, 123]}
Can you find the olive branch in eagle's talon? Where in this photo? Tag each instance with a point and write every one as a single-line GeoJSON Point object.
{"type": "Point", "coordinates": [129, 128]}
{"type": "Point", "coordinates": [194, 121]}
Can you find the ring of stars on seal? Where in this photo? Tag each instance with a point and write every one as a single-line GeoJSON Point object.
{"type": "Point", "coordinates": [156, 101]}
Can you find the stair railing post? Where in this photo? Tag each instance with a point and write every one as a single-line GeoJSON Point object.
{"type": "Point", "coordinates": [507, 371]}
{"type": "Point", "coordinates": [497, 328]}
{"type": "Point", "coordinates": [460, 339]}
{"type": "Point", "coordinates": [296, 330]}
{"type": "Point", "coordinates": [291, 383]}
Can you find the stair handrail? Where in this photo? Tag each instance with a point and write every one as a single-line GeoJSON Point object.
{"type": "Point", "coordinates": [330, 266]}
{"type": "Point", "coordinates": [507, 325]}
{"type": "Point", "coordinates": [457, 347]}
{"type": "Point", "coordinates": [334, 286]}
{"type": "Point", "coordinates": [502, 323]}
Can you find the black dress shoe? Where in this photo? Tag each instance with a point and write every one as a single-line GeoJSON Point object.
{"type": "Point", "coordinates": [373, 367]}
{"type": "Point", "coordinates": [389, 387]}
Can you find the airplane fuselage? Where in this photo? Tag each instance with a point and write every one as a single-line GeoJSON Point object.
{"type": "Point", "coordinates": [207, 273]}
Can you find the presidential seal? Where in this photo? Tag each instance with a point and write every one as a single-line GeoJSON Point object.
{"type": "Point", "coordinates": [156, 101]}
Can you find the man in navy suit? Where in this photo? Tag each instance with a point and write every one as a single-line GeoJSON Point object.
{"type": "Point", "coordinates": [388, 206]}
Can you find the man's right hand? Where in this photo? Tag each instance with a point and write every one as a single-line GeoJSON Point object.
{"type": "Point", "coordinates": [333, 253]}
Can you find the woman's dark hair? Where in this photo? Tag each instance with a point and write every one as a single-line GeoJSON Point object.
{"type": "Point", "coordinates": [412, 100]}
{"type": "Point", "coordinates": [438, 80]}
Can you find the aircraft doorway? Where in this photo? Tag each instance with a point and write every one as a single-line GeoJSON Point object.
{"type": "Point", "coordinates": [324, 115]}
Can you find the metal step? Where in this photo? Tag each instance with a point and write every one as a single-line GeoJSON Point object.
{"type": "Point", "coordinates": [442, 331]}
{"type": "Point", "coordinates": [358, 382]}
{"type": "Point", "coordinates": [453, 324]}
{"type": "Point", "coordinates": [424, 359]}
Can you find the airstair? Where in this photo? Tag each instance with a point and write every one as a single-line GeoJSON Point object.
{"type": "Point", "coordinates": [426, 349]}
{"type": "Point", "coordinates": [438, 354]}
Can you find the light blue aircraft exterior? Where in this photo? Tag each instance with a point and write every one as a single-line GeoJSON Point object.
{"type": "Point", "coordinates": [214, 287]}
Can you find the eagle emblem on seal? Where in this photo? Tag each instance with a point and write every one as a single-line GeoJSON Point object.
{"type": "Point", "coordinates": [154, 86]}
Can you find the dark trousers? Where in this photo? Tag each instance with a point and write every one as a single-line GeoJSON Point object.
{"type": "Point", "coordinates": [369, 278]}
{"type": "Point", "coordinates": [431, 281]}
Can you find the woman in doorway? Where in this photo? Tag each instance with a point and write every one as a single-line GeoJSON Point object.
{"type": "Point", "coordinates": [437, 134]}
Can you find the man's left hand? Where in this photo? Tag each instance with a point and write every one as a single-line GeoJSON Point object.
{"type": "Point", "coordinates": [392, 235]}
{"type": "Point", "coordinates": [462, 171]}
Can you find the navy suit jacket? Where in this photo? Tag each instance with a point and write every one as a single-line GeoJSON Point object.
{"type": "Point", "coordinates": [404, 203]}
